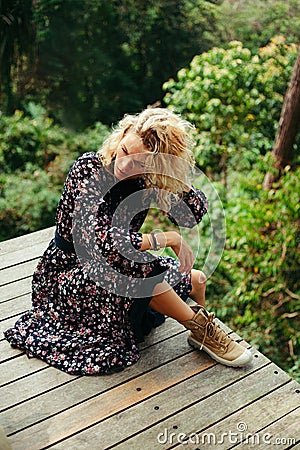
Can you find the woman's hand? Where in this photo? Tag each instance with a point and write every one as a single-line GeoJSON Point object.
{"type": "Point", "coordinates": [182, 249]}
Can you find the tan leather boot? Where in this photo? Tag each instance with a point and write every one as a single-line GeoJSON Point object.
{"type": "Point", "coordinates": [208, 336]}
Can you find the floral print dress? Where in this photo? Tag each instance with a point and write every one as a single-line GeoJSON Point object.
{"type": "Point", "coordinates": [83, 320]}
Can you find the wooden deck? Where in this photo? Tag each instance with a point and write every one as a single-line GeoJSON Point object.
{"type": "Point", "coordinates": [174, 397]}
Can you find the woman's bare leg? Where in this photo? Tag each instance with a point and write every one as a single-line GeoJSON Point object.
{"type": "Point", "coordinates": [167, 302]}
{"type": "Point", "coordinates": [198, 286]}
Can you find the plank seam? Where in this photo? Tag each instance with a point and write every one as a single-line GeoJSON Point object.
{"type": "Point", "coordinates": [163, 340]}
{"type": "Point", "coordinates": [186, 407]}
{"type": "Point", "coordinates": [238, 409]}
{"type": "Point", "coordinates": [93, 396]}
{"type": "Point", "coordinates": [11, 357]}
{"type": "Point", "coordinates": [79, 376]}
{"type": "Point", "coordinates": [16, 279]}
{"type": "Point", "coordinates": [14, 298]}
{"type": "Point", "coordinates": [293, 446]}
{"type": "Point", "coordinates": [269, 424]}
{"type": "Point", "coordinates": [24, 261]}
{"type": "Point", "coordinates": [14, 315]}
{"type": "Point", "coordinates": [36, 396]}
{"type": "Point", "coordinates": [23, 376]}
{"type": "Point", "coordinates": [152, 396]}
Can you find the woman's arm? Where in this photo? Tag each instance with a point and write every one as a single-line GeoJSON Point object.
{"type": "Point", "coordinates": [190, 210]}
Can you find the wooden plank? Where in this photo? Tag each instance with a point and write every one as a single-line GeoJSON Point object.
{"type": "Point", "coordinates": [19, 256]}
{"type": "Point", "coordinates": [168, 389]}
{"type": "Point", "coordinates": [284, 433]}
{"type": "Point", "coordinates": [14, 369]}
{"type": "Point", "coordinates": [4, 443]}
{"type": "Point", "coordinates": [37, 383]}
{"type": "Point", "coordinates": [89, 386]}
{"type": "Point", "coordinates": [25, 241]}
{"type": "Point", "coordinates": [31, 386]}
{"type": "Point", "coordinates": [15, 289]}
{"type": "Point", "coordinates": [157, 408]}
{"type": "Point", "coordinates": [110, 402]}
{"type": "Point", "coordinates": [23, 303]}
{"type": "Point", "coordinates": [12, 274]}
{"type": "Point", "coordinates": [245, 430]}
{"type": "Point", "coordinates": [208, 410]}
{"type": "Point", "coordinates": [7, 352]}
{"type": "Point", "coordinates": [86, 387]}
{"type": "Point", "coordinates": [16, 306]}
{"type": "Point", "coordinates": [5, 324]}
{"type": "Point", "coordinates": [170, 328]}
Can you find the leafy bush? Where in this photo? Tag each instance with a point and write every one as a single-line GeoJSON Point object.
{"type": "Point", "coordinates": [255, 22]}
{"type": "Point", "coordinates": [32, 136]}
{"type": "Point", "coordinates": [35, 156]}
{"type": "Point", "coordinates": [29, 136]}
{"type": "Point", "coordinates": [256, 287]}
{"type": "Point", "coordinates": [234, 98]}
{"type": "Point", "coordinates": [78, 143]}
{"type": "Point", "coordinates": [27, 203]}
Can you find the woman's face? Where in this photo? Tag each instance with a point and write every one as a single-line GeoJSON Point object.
{"type": "Point", "coordinates": [130, 157]}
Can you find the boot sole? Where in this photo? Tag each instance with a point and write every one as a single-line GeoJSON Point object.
{"type": "Point", "coordinates": [244, 359]}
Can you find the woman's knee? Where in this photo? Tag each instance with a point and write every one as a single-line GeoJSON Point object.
{"type": "Point", "coordinates": [198, 280]}
{"type": "Point", "coordinates": [198, 277]}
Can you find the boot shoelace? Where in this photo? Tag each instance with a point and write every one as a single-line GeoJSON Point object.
{"type": "Point", "coordinates": [213, 330]}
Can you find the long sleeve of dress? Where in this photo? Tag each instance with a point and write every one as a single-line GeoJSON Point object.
{"type": "Point", "coordinates": [105, 223]}
{"type": "Point", "coordinates": [189, 211]}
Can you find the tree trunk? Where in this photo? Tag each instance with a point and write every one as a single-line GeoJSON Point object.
{"type": "Point", "coordinates": [288, 127]}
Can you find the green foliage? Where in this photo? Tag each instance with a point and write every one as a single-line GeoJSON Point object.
{"type": "Point", "coordinates": [162, 36]}
{"type": "Point", "coordinates": [256, 287]}
{"type": "Point", "coordinates": [89, 61]}
{"type": "Point", "coordinates": [27, 202]}
{"type": "Point", "coordinates": [31, 137]}
{"type": "Point", "coordinates": [234, 98]}
{"type": "Point", "coordinates": [97, 60]}
{"type": "Point", "coordinates": [82, 67]}
{"type": "Point", "coordinates": [16, 40]}
{"type": "Point", "coordinates": [35, 156]}
{"type": "Point", "coordinates": [256, 22]}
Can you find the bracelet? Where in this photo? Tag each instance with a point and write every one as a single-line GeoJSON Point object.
{"type": "Point", "coordinates": [149, 240]}
{"type": "Point", "coordinates": [156, 243]}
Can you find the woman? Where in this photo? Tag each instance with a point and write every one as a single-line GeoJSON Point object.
{"type": "Point", "coordinates": [97, 290]}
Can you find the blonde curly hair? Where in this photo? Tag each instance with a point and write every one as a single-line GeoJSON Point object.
{"type": "Point", "coordinates": [163, 133]}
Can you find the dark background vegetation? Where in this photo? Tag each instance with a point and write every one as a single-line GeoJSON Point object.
{"type": "Point", "coordinates": [71, 69]}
